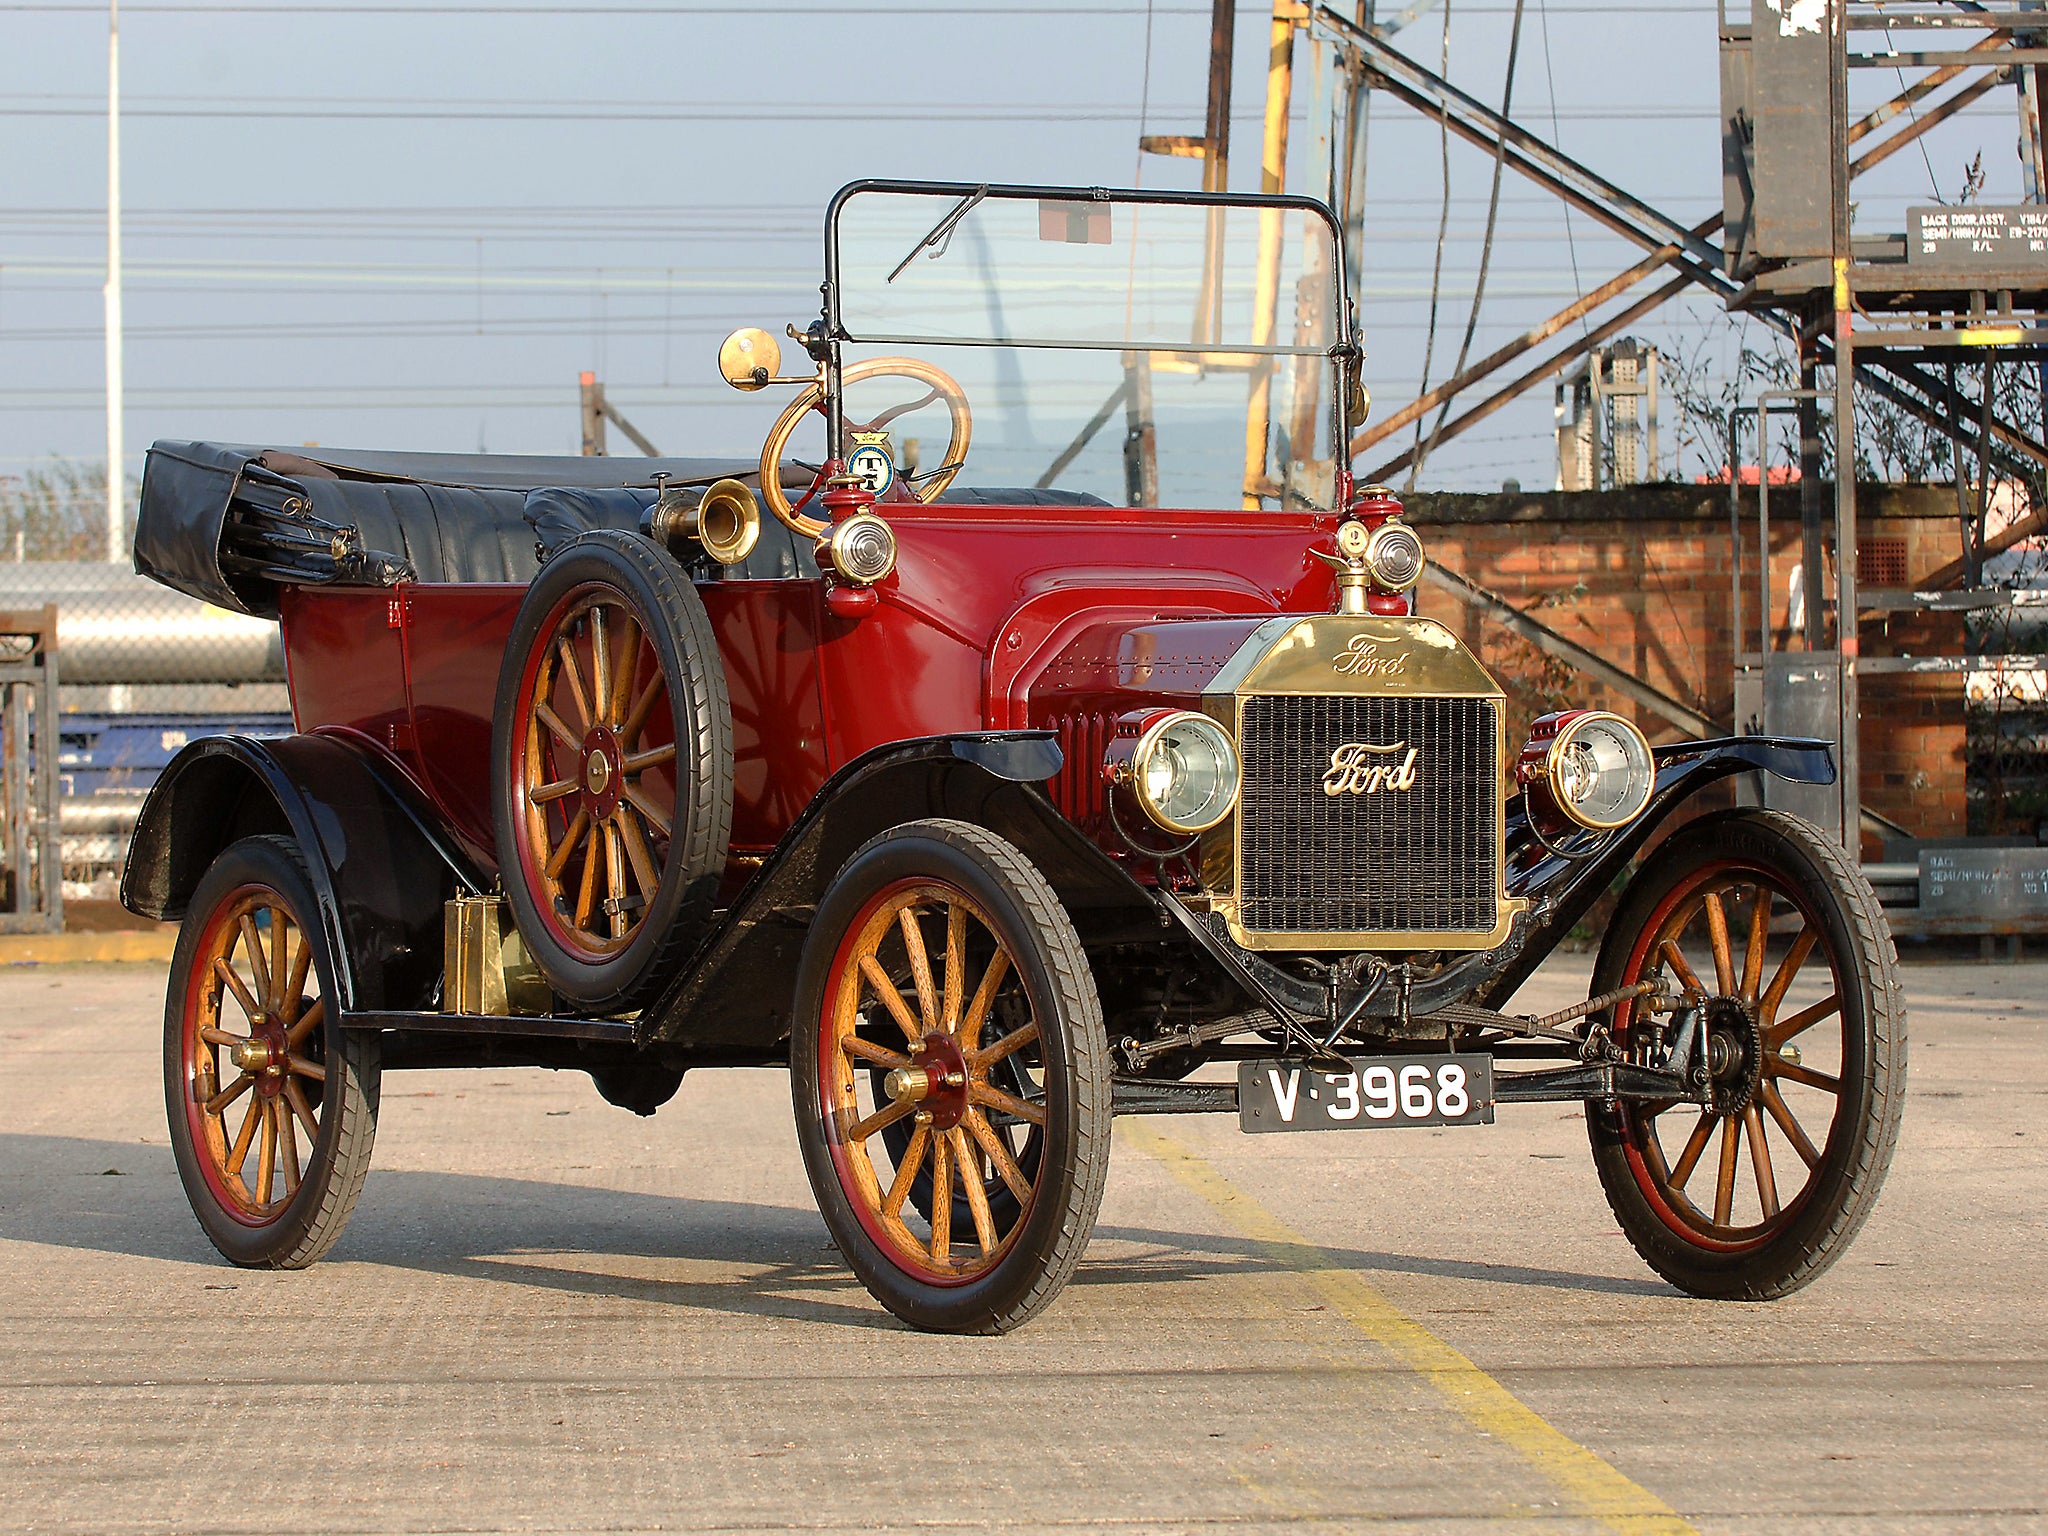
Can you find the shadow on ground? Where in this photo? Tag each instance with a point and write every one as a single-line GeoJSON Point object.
{"type": "Point", "coordinates": [125, 1198]}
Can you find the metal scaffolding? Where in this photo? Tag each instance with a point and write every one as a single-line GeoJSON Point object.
{"type": "Point", "coordinates": [31, 875]}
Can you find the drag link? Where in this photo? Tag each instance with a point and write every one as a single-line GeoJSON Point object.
{"type": "Point", "coordinates": [1550, 1021]}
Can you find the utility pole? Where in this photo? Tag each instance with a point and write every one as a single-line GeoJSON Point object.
{"type": "Point", "coordinates": [1216, 163]}
{"type": "Point", "coordinates": [1287, 15]}
{"type": "Point", "coordinates": [2033, 171]}
{"type": "Point", "coordinates": [1357, 111]}
{"type": "Point", "coordinates": [1848, 721]}
{"type": "Point", "coordinates": [117, 499]}
{"type": "Point", "coordinates": [592, 412]}
{"type": "Point", "coordinates": [1213, 150]}
{"type": "Point", "coordinates": [596, 410]}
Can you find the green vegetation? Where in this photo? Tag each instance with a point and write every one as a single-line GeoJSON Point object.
{"type": "Point", "coordinates": [57, 510]}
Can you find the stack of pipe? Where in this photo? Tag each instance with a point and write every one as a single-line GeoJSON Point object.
{"type": "Point", "coordinates": [114, 626]}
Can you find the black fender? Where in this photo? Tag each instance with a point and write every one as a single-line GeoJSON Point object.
{"type": "Point", "coordinates": [382, 867]}
{"type": "Point", "coordinates": [1561, 891]}
{"type": "Point", "coordinates": [736, 990]}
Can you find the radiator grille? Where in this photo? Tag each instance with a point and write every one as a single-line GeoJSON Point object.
{"type": "Point", "coordinates": [1422, 860]}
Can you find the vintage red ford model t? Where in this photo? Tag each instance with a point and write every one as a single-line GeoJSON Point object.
{"type": "Point", "coordinates": [993, 797]}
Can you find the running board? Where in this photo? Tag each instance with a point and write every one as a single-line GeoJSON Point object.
{"type": "Point", "coordinates": [527, 1026]}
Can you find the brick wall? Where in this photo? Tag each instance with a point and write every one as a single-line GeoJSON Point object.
{"type": "Point", "coordinates": [1643, 578]}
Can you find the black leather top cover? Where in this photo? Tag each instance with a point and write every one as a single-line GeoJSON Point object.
{"type": "Point", "coordinates": [186, 488]}
{"type": "Point", "coordinates": [443, 532]}
{"type": "Point", "coordinates": [511, 471]}
{"type": "Point", "coordinates": [450, 517]}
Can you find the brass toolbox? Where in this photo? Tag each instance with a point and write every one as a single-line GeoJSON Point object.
{"type": "Point", "coordinates": [488, 969]}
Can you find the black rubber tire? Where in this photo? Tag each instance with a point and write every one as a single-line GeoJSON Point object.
{"type": "Point", "coordinates": [1858, 1151]}
{"type": "Point", "coordinates": [333, 1180]}
{"type": "Point", "coordinates": [1075, 1059]}
{"type": "Point", "coordinates": [671, 615]}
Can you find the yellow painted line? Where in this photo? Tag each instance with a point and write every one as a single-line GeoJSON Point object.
{"type": "Point", "coordinates": [1990, 335]}
{"type": "Point", "coordinates": [1588, 1484]}
{"type": "Point", "coordinates": [70, 948]}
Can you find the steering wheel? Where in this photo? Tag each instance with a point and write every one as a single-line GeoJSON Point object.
{"type": "Point", "coordinates": [940, 386]}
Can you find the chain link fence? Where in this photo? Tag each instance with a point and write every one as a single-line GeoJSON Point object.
{"type": "Point", "coordinates": [142, 671]}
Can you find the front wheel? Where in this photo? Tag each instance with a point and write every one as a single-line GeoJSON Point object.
{"type": "Point", "coordinates": [272, 1104]}
{"type": "Point", "coordinates": [1784, 960]}
{"type": "Point", "coordinates": [952, 1078]}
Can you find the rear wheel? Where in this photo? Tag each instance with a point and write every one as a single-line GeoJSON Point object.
{"type": "Point", "coordinates": [952, 1078]}
{"type": "Point", "coordinates": [272, 1104]}
{"type": "Point", "coordinates": [1782, 951]}
{"type": "Point", "coordinates": [612, 753]}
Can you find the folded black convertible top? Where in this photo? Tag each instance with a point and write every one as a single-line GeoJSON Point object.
{"type": "Point", "coordinates": [227, 522]}
{"type": "Point", "coordinates": [503, 471]}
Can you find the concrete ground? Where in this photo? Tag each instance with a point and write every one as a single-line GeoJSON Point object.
{"type": "Point", "coordinates": [551, 1315]}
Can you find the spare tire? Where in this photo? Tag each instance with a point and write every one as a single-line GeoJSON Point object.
{"type": "Point", "coordinates": [611, 770]}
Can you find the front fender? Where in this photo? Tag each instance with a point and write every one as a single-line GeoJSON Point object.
{"type": "Point", "coordinates": [380, 864]}
{"type": "Point", "coordinates": [1562, 891]}
{"type": "Point", "coordinates": [736, 989]}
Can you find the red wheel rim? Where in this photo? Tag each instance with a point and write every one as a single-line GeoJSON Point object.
{"type": "Point", "coordinates": [884, 984]}
{"type": "Point", "coordinates": [253, 1054]}
{"type": "Point", "coordinates": [595, 778]}
{"type": "Point", "coordinates": [1711, 937]}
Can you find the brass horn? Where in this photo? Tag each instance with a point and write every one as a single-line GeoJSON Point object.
{"type": "Point", "coordinates": [725, 520]}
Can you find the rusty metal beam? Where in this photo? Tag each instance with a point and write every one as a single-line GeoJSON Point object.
{"type": "Point", "coordinates": [1940, 113]}
{"type": "Point", "coordinates": [1539, 373]}
{"type": "Point", "coordinates": [1614, 287]}
{"type": "Point", "coordinates": [1669, 244]}
{"type": "Point", "coordinates": [1529, 156]}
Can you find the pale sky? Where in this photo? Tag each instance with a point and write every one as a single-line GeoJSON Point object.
{"type": "Point", "coordinates": [413, 226]}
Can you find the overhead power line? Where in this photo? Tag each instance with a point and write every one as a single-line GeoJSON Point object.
{"type": "Point", "coordinates": [727, 8]}
{"type": "Point", "coordinates": [72, 104]}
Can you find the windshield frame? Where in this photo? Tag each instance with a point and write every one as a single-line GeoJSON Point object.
{"type": "Point", "coordinates": [1345, 350]}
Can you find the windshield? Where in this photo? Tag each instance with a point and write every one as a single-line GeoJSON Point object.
{"type": "Point", "coordinates": [1144, 349]}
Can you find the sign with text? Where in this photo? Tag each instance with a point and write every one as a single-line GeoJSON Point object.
{"type": "Point", "coordinates": [1984, 882]}
{"type": "Point", "coordinates": [1976, 238]}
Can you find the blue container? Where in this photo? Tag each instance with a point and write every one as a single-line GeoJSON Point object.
{"type": "Point", "coordinates": [99, 753]}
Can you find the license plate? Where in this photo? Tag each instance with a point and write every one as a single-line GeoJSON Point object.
{"type": "Point", "coordinates": [1385, 1091]}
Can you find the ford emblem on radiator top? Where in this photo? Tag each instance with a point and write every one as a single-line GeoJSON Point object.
{"type": "Point", "coordinates": [1362, 658]}
{"type": "Point", "coordinates": [1365, 768]}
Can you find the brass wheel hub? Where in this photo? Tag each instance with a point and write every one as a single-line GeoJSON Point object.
{"type": "Point", "coordinates": [937, 1084]}
{"type": "Point", "coordinates": [602, 780]}
{"type": "Point", "coordinates": [259, 1054]}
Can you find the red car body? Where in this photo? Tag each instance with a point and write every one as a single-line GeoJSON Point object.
{"type": "Point", "coordinates": [992, 621]}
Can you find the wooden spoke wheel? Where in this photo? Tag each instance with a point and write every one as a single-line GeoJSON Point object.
{"type": "Point", "coordinates": [272, 1105]}
{"type": "Point", "coordinates": [597, 774]}
{"type": "Point", "coordinates": [614, 785]}
{"type": "Point", "coordinates": [951, 1078]}
{"type": "Point", "coordinates": [1789, 979]}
